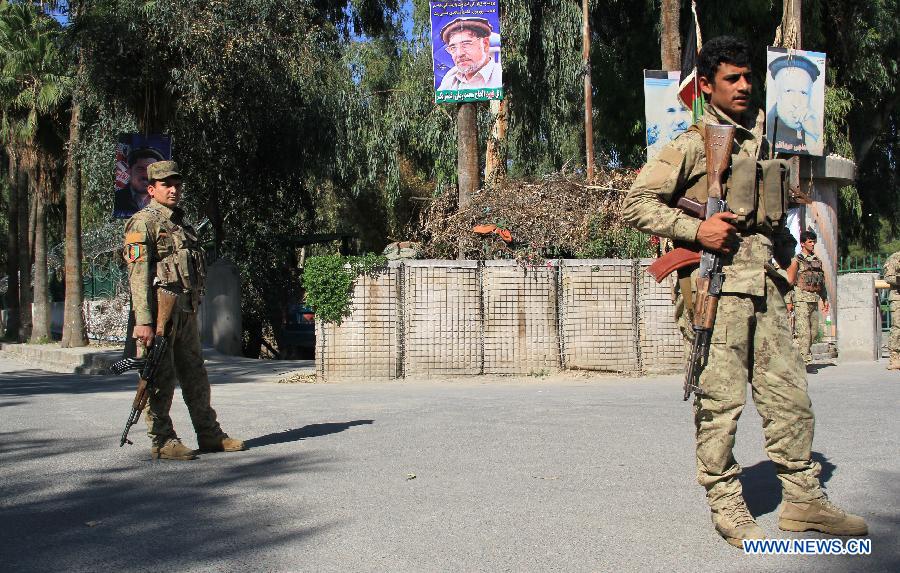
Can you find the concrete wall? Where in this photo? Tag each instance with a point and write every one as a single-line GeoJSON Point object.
{"type": "Point", "coordinates": [446, 318]}
{"type": "Point", "coordinates": [859, 335]}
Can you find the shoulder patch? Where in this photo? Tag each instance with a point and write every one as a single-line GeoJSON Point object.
{"type": "Point", "coordinates": [135, 253]}
{"type": "Point", "coordinates": [662, 167]}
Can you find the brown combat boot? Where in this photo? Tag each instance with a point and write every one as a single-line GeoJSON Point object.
{"type": "Point", "coordinates": [894, 363]}
{"type": "Point", "coordinates": [734, 522]}
{"type": "Point", "coordinates": [220, 444]}
{"type": "Point", "coordinates": [173, 449]}
{"type": "Point", "coordinates": [820, 515]}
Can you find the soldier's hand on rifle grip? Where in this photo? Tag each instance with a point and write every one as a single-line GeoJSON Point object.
{"type": "Point", "coordinates": [145, 334]}
{"type": "Point", "coordinates": [718, 234]}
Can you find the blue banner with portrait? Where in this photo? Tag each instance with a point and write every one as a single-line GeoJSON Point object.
{"type": "Point", "coordinates": [465, 45]}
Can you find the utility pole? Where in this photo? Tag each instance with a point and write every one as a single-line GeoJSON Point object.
{"type": "Point", "coordinates": [670, 36]}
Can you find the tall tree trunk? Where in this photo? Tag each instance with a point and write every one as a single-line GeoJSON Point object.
{"type": "Point", "coordinates": [670, 35]}
{"type": "Point", "coordinates": [495, 154]}
{"type": "Point", "coordinates": [13, 318]}
{"type": "Point", "coordinates": [788, 34]}
{"type": "Point", "coordinates": [588, 90]}
{"type": "Point", "coordinates": [73, 317]}
{"type": "Point", "coordinates": [26, 207]}
{"type": "Point", "coordinates": [40, 330]}
{"type": "Point", "coordinates": [466, 157]}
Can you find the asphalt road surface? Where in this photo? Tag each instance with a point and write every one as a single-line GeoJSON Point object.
{"type": "Point", "coordinates": [560, 473]}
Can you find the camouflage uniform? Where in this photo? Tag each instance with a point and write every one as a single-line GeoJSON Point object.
{"type": "Point", "coordinates": [162, 251]}
{"type": "Point", "coordinates": [892, 276]}
{"type": "Point", "coordinates": [750, 340]}
{"type": "Point", "coordinates": [806, 305]}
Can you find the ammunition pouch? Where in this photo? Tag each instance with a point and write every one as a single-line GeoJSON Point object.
{"type": "Point", "coordinates": [756, 191]}
{"type": "Point", "coordinates": [185, 268]}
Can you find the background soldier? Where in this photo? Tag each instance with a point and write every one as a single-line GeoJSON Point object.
{"type": "Point", "coordinates": [892, 277]}
{"type": "Point", "coordinates": [808, 277]}
{"type": "Point", "coordinates": [162, 251]}
{"type": "Point", "coordinates": [750, 339]}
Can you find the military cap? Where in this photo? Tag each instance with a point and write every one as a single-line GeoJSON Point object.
{"type": "Point", "coordinates": [144, 153]}
{"type": "Point", "coordinates": [478, 26]}
{"type": "Point", "coordinates": [794, 61]}
{"type": "Point", "coordinates": [162, 169]}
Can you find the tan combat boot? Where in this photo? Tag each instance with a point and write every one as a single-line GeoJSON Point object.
{"type": "Point", "coordinates": [173, 449]}
{"type": "Point", "coordinates": [820, 515]}
{"type": "Point", "coordinates": [220, 444]}
{"type": "Point", "coordinates": [894, 363]}
{"type": "Point", "coordinates": [734, 522]}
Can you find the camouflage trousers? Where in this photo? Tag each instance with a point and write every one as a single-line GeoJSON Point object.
{"type": "Point", "coordinates": [183, 363]}
{"type": "Point", "coordinates": [751, 343]}
{"type": "Point", "coordinates": [806, 327]}
{"type": "Point", "coordinates": [894, 337]}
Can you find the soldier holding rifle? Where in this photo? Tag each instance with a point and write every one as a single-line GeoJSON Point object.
{"type": "Point", "coordinates": [162, 253]}
{"type": "Point", "coordinates": [748, 337]}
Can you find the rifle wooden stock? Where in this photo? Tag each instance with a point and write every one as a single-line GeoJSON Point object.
{"type": "Point", "coordinates": [705, 305]}
{"type": "Point", "coordinates": [165, 305]}
{"type": "Point", "coordinates": [719, 139]}
{"type": "Point", "coordinates": [672, 261]}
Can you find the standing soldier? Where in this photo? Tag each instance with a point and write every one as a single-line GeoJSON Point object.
{"type": "Point", "coordinates": [750, 340]}
{"type": "Point", "coordinates": [892, 277]}
{"type": "Point", "coordinates": [808, 277]}
{"type": "Point", "coordinates": [162, 252]}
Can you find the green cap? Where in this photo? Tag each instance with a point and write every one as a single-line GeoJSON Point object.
{"type": "Point", "coordinates": [162, 169]}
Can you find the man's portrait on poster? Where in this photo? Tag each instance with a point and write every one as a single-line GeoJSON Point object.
{"type": "Point", "coordinates": [134, 154]}
{"type": "Point", "coordinates": [470, 43]}
{"type": "Point", "coordinates": [795, 102]}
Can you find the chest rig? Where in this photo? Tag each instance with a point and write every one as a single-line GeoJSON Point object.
{"type": "Point", "coordinates": [756, 190]}
{"type": "Point", "coordinates": [181, 266]}
{"type": "Point", "coordinates": [810, 275]}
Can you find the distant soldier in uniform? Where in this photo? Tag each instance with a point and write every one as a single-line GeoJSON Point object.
{"type": "Point", "coordinates": [162, 252]}
{"type": "Point", "coordinates": [808, 277]}
{"type": "Point", "coordinates": [892, 277]}
{"type": "Point", "coordinates": [750, 340]}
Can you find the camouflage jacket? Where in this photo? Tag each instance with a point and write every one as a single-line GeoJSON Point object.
{"type": "Point", "coordinates": [648, 206]}
{"type": "Point", "coordinates": [162, 250]}
{"type": "Point", "coordinates": [892, 275]}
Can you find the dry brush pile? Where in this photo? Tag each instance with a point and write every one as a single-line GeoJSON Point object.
{"type": "Point", "coordinates": [559, 216]}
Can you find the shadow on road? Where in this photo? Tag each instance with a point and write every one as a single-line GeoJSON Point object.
{"type": "Point", "coordinates": [309, 431]}
{"type": "Point", "coordinates": [145, 515]}
{"type": "Point", "coordinates": [762, 488]}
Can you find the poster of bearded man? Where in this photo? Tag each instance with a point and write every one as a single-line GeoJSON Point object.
{"type": "Point", "coordinates": [795, 101]}
{"type": "Point", "coordinates": [465, 46]}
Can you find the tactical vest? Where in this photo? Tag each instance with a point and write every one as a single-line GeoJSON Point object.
{"type": "Point", "coordinates": [182, 265]}
{"type": "Point", "coordinates": [757, 191]}
{"type": "Point", "coordinates": [811, 275]}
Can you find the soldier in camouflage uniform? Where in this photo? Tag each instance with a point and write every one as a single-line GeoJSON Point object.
{"type": "Point", "coordinates": [892, 277]}
{"type": "Point", "coordinates": [750, 341]}
{"type": "Point", "coordinates": [162, 252]}
{"type": "Point", "coordinates": [808, 278]}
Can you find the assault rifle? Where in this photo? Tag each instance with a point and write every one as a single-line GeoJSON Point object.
{"type": "Point", "coordinates": [719, 139]}
{"type": "Point", "coordinates": [148, 366]}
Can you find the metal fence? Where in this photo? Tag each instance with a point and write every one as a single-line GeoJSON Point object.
{"type": "Point", "coordinates": [873, 263]}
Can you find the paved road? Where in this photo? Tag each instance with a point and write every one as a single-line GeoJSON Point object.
{"type": "Point", "coordinates": [515, 474]}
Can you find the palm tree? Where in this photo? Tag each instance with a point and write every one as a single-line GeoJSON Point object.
{"type": "Point", "coordinates": [33, 88]}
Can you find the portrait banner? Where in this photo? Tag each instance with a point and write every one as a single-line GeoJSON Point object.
{"type": "Point", "coordinates": [465, 47]}
{"type": "Point", "coordinates": [134, 152]}
{"type": "Point", "coordinates": [666, 114]}
{"type": "Point", "coordinates": [795, 101]}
